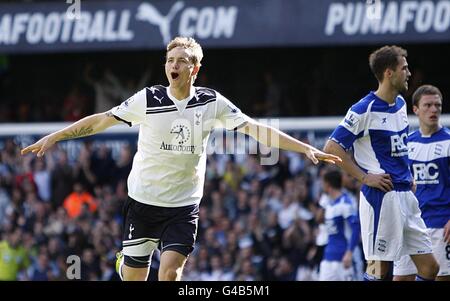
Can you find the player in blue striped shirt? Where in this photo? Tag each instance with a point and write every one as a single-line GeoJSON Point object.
{"type": "Point", "coordinates": [342, 224]}
{"type": "Point", "coordinates": [377, 129]}
{"type": "Point", "coordinates": [429, 160]}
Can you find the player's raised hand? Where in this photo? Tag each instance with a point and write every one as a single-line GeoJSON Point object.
{"type": "Point", "coordinates": [315, 155]}
{"type": "Point", "coordinates": [380, 181]}
{"type": "Point", "coordinates": [40, 147]}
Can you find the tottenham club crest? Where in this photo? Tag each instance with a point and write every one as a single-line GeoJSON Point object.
{"type": "Point", "coordinates": [182, 132]}
{"type": "Point", "coordinates": [181, 139]}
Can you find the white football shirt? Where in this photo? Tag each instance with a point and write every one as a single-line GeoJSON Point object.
{"type": "Point", "coordinates": [170, 162]}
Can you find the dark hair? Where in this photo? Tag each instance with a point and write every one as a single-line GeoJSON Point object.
{"type": "Point", "coordinates": [333, 178]}
{"type": "Point", "coordinates": [424, 90]}
{"type": "Point", "coordinates": [384, 58]}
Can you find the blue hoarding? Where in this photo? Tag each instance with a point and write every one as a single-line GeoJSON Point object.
{"type": "Point", "coordinates": [81, 25]}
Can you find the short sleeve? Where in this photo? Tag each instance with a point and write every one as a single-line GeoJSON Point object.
{"type": "Point", "coordinates": [324, 200]}
{"type": "Point", "coordinates": [350, 129]}
{"type": "Point", "coordinates": [347, 210]}
{"type": "Point", "coordinates": [228, 115]}
{"type": "Point", "coordinates": [448, 145]}
{"type": "Point", "coordinates": [132, 110]}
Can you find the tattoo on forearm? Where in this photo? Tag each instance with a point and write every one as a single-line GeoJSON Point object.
{"type": "Point", "coordinates": [83, 131]}
{"type": "Point", "coordinates": [109, 114]}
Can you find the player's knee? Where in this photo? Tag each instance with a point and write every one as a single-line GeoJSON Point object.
{"type": "Point", "coordinates": [434, 269]}
{"type": "Point", "coordinates": [170, 274]}
{"type": "Point", "coordinates": [134, 274]}
{"type": "Point", "coordinates": [429, 270]}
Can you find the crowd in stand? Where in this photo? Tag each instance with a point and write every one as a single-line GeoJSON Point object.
{"type": "Point", "coordinates": [51, 208]}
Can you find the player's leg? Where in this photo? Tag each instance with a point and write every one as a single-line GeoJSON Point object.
{"type": "Point", "coordinates": [131, 274]}
{"type": "Point", "coordinates": [441, 251]}
{"type": "Point", "coordinates": [140, 239]}
{"type": "Point", "coordinates": [427, 266]}
{"type": "Point", "coordinates": [135, 274]}
{"type": "Point", "coordinates": [135, 264]}
{"type": "Point", "coordinates": [171, 266]}
{"type": "Point", "coordinates": [417, 241]}
{"type": "Point", "coordinates": [177, 241]}
{"type": "Point", "coordinates": [376, 270]}
{"type": "Point", "coordinates": [381, 230]}
{"type": "Point", "coordinates": [331, 271]}
{"type": "Point", "coordinates": [404, 269]}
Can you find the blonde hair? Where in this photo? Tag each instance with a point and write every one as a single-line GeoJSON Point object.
{"type": "Point", "coordinates": [196, 52]}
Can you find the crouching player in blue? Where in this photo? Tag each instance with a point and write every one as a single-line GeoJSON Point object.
{"type": "Point", "coordinates": [429, 160]}
{"type": "Point", "coordinates": [342, 223]}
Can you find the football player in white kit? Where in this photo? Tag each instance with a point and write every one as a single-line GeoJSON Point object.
{"type": "Point", "coordinates": [165, 185]}
{"type": "Point", "coordinates": [429, 160]}
{"type": "Point", "coordinates": [377, 129]}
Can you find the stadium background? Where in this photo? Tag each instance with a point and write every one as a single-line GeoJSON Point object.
{"type": "Point", "coordinates": [278, 59]}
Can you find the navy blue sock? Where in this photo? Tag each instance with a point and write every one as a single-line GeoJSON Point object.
{"type": "Point", "coordinates": [420, 278]}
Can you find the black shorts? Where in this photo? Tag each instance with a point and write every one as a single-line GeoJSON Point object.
{"type": "Point", "coordinates": [149, 227]}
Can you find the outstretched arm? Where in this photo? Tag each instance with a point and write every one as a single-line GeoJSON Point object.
{"type": "Point", "coordinates": [380, 181]}
{"type": "Point", "coordinates": [272, 137]}
{"type": "Point", "coordinates": [87, 126]}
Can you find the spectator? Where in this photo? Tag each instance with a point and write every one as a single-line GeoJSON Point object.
{"type": "Point", "coordinates": [75, 105]}
{"type": "Point", "coordinates": [41, 270]}
{"type": "Point", "coordinates": [13, 256]}
{"type": "Point", "coordinates": [61, 179]}
{"type": "Point", "coordinates": [41, 177]}
{"type": "Point", "coordinates": [77, 199]}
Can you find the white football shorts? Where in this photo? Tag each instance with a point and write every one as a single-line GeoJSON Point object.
{"type": "Point", "coordinates": [441, 251]}
{"type": "Point", "coordinates": [391, 225]}
{"type": "Point", "coordinates": [335, 271]}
